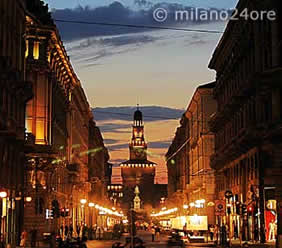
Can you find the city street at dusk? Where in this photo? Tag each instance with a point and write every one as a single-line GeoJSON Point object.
{"type": "Point", "coordinates": [140, 123]}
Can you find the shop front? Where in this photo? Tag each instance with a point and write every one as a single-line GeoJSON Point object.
{"type": "Point", "coordinates": [270, 215]}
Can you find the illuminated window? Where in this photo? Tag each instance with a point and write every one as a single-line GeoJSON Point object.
{"type": "Point", "coordinates": [49, 57]}
{"type": "Point", "coordinates": [36, 50]}
{"type": "Point", "coordinates": [26, 48]}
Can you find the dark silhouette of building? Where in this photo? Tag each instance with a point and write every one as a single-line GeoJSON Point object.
{"type": "Point", "coordinates": [248, 121]}
{"type": "Point", "coordinates": [15, 91]}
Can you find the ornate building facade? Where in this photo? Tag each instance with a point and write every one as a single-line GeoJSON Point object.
{"type": "Point", "coordinates": [247, 123]}
{"type": "Point", "coordinates": [190, 177]}
{"type": "Point", "coordinates": [99, 169]}
{"type": "Point", "coordinates": [59, 122]}
{"type": "Point", "coordinates": [15, 91]}
{"type": "Point", "coordinates": [201, 184]}
{"type": "Point", "coordinates": [178, 165]}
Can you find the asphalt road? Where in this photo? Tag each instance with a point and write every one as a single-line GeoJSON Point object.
{"type": "Point", "coordinates": [145, 236]}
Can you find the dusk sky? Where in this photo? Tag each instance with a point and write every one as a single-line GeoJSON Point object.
{"type": "Point", "coordinates": [122, 66]}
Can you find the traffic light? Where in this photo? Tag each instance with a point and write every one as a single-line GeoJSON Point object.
{"type": "Point", "coordinates": [250, 209]}
{"type": "Point", "coordinates": [63, 212]}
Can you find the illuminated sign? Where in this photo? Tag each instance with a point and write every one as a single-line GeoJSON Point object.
{"type": "Point", "coordinates": [198, 223]}
{"type": "Point", "coordinates": [219, 207]}
{"type": "Point", "coordinates": [49, 214]}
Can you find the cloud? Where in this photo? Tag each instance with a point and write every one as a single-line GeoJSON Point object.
{"type": "Point", "coordinates": [150, 114]}
{"type": "Point", "coordinates": [118, 14]}
{"type": "Point", "coordinates": [143, 3]}
{"type": "Point", "coordinates": [110, 141]}
{"type": "Point", "coordinates": [89, 50]}
{"type": "Point", "coordinates": [159, 144]}
{"type": "Point", "coordinates": [117, 147]}
{"type": "Point", "coordinates": [114, 127]}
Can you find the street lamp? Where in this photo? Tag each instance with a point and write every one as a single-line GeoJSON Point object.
{"type": "Point", "coordinates": [185, 206]}
{"type": "Point", "coordinates": [3, 194]}
{"type": "Point", "coordinates": [28, 199]}
{"type": "Point", "coordinates": [83, 201]}
{"type": "Point", "coordinates": [91, 204]}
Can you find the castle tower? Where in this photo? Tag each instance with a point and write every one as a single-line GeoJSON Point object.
{"type": "Point", "coordinates": [138, 146]}
{"type": "Point", "coordinates": [138, 170]}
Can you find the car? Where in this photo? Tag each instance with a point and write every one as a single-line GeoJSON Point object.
{"type": "Point", "coordinates": [175, 240]}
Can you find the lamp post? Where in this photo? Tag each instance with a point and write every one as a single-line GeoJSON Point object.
{"type": "Point", "coordinates": [3, 194]}
{"type": "Point", "coordinates": [91, 205]}
{"type": "Point", "coordinates": [83, 202]}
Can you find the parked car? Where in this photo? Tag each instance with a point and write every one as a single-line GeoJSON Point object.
{"type": "Point", "coordinates": [175, 240]}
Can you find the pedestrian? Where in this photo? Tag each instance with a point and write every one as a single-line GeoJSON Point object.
{"type": "Point", "coordinates": [185, 229]}
{"type": "Point", "coordinates": [271, 230]}
{"type": "Point", "coordinates": [98, 233]}
{"type": "Point", "coordinates": [102, 233]}
{"type": "Point", "coordinates": [236, 235]}
{"type": "Point", "coordinates": [77, 230]}
{"type": "Point", "coordinates": [23, 238]}
{"type": "Point", "coordinates": [82, 243]}
{"type": "Point", "coordinates": [2, 244]}
{"type": "Point", "coordinates": [33, 237]}
{"type": "Point", "coordinates": [216, 232]}
{"type": "Point", "coordinates": [153, 232]}
{"type": "Point", "coordinates": [71, 231]}
{"type": "Point", "coordinates": [158, 234]}
{"type": "Point", "coordinates": [66, 232]}
{"type": "Point", "coordinates": [211, 232]}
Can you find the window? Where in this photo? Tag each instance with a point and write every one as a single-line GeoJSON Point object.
{"type": "Point", "coordinates": [26, 48]}
{"type": "Point", "coordinates": [36, 50]}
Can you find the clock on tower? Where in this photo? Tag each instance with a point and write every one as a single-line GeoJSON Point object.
{"type": "Point", "coordinates": [137, 144]}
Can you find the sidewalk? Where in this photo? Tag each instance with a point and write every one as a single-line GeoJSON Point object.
{"type": "Point", "coordinates": [236, 244]}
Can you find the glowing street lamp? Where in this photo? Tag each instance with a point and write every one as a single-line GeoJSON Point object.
{"type": "Point", "coordinates": [91, 204]}
{"type": "Point", "coordinates": [28, 199]}
{"type": "Point", "coordinates": [3, 194]}
{"type": "Point", "coordinates": [185, 206]}
{"type": "Point", "coordinates": [83, 201]}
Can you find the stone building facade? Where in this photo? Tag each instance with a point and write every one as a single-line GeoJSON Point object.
{"type": "Point", "coordinates": [62, 133]}
{"type": "Point", "coordinates": [178, 165]}
{"type": "Point", "coordinates": [247, 123]}
{"type": "Point", "coordinates": [201, 184]}
{"type": "Point", "coordinates": [15, 91]}
{"type": "Point", "coordinates": [190, 177]}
